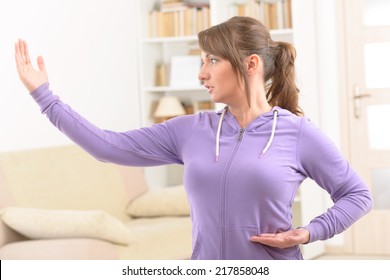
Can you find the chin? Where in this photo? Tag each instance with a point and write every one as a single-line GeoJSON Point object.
{"type": "Point", "coordinates": [215, 99]}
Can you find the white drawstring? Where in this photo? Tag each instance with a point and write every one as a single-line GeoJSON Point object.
{"type": "Point", "coordinates": [220, 128]}
{"type": "Point", "coordinates": [219, 134]}
{"type": "Point", "coordinates": [272, 134]}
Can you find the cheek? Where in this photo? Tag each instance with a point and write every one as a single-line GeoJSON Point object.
{"type": "Point", "coordinates": [228, 82]}
{"type": "Point", "coordinates": [226, 77]}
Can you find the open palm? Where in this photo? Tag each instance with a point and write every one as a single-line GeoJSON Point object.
{"type": "Point", "coordinates": [30, 77]}
{"type": "Point", "coordinates": [283, 239]}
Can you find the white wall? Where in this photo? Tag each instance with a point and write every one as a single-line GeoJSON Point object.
{"type": "Point", "coordinates": [320, 95]}
{"type": "Point", "coordinates": [90, 50]}
{"type": "Point", "coordinates": [328, 81]}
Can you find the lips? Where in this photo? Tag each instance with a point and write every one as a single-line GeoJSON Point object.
{"type": "Point", "coordinates": [209, 88]}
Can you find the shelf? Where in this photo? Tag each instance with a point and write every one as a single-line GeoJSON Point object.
{"type": "Point", "coordinates": [194, 38]}
{"type": "Point", "coordinates": [182, 39]}
{"type": "Point", "coordinates": [172, 89]}
{"type": "Point", "coordinates": [277, 32]}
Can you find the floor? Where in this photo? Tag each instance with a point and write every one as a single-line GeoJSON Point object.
{"type": "Point", "coordinates": [353, 257]}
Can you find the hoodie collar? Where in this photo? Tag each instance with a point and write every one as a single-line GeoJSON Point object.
{"type": "Point", "coordinates": [271, 115]}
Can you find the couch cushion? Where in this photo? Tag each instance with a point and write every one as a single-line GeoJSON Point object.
{"type": "Point", "coordinates": [49, 224]}
{"type": "Point", "coordinates": [168, 201]}
{"type": "Point", "coordinates": [60, 249]}
{"type": "Point", "coordinates": [67, 178]}
{"type": "Point", "coordinates": [159, 238]}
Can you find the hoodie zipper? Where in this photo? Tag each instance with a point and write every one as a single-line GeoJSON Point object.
{"type": "Point", "coordinates": [240, 135]}
{"type": "Point", "coordinates": [223, 195]}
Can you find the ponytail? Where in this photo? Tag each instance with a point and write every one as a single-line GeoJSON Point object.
{"type": "Point", "coordinates": [281, 89]}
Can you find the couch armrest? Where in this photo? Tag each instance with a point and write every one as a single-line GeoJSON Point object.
{"type": "Point", "coordinates": [8, 235]}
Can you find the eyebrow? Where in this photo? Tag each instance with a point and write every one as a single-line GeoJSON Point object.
{"type": "Point", "coordinates": [207, 55]}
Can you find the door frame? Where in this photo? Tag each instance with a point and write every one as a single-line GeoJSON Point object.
{"type": "Point", "coordinates": [343, 136]}
{"type": "Point", "coordinates": [333, 93]}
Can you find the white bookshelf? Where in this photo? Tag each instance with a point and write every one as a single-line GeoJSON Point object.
{"type": "Point", "coordinates": [158, 40]}
{"type": "Point", "coordinates": [308, 203]}
{"type": "Point", "coordinates": [163, 89]}
{"type": "Point", "coordinates": [157, 50]}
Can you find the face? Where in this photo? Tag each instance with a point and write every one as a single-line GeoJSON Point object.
{"type": "Point", "coordinates": [219, 79]}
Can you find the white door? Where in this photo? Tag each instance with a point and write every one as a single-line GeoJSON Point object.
{"type": "Point", "coordinates": [368, 74]}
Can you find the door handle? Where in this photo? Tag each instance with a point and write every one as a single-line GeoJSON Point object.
{"type": "Point", "coordinates": [357, 96]}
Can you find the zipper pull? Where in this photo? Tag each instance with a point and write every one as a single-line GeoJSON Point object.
{"type": "Point", "coordinates": [241, 134]}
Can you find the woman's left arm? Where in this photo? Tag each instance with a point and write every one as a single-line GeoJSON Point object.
{"type": "Point", "coordinates": [319, 159]}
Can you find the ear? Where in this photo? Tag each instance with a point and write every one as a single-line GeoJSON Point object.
{"type": "Point", "coordinates": [254, 64]}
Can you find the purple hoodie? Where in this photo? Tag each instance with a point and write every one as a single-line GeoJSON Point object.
{"type": "Point", "coordinates": [242, 193]}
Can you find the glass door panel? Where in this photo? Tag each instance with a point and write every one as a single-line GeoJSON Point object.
{"type": "Point", "coordinates": [378, 133]}
{"type": "Point", "coordinates": [376, 12]}
{"type": "Point", "coordinates": [377, 61]}
{"type": "Point", "coordinates": [380, 179]}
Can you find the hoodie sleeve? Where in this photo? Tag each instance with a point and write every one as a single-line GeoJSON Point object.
{"type": "Point", "coordinates": [155, 145]}
{"type": "Point", "coordinates": [320, 160]}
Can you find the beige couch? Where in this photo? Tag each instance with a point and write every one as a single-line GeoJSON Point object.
{"type": "Point", "coordinates": [60, 203]}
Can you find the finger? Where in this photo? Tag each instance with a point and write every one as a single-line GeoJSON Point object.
{"type": "Point", "coordinates": [266, 241]}
{"type": "Point", "coordinates": [22, 51]}
{"type": "Point", "coordinates": [26, 54]}
{"type": "Point", "coordinates": [41, 64]}
{"type": "Point", "coordinates": [254, 238]}
{"type": "Point", "coordinates": [273, 242]}
{"type": "Point", "coordinates": [268, 235]}
{"type": "Point", "coordinates": [262, 239]}
{"type": "Point", "coordinates": [17, 55]}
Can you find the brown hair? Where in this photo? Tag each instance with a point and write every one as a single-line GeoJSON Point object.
{"type": "Point", "coordinates": [239, 37]}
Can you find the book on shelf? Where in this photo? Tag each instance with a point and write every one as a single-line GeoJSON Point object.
{"type": "Point", "coordinates": [205, 105]}
{"type": "Point", "coordinates": [274, 14]}
{"type": "Point", "coordinates": [179, 18]}
{"type": "Point", "coordinates": [198, 106]}
{"type": "Point", "coordinates": [190, 107]}
{"type": "Point", "coordinates": [161, 75]}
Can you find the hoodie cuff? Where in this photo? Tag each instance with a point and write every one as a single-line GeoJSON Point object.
{"type": "Point", "coordinates": [43, 96]}
{"type": "Point", "coordinates": [315, 232]}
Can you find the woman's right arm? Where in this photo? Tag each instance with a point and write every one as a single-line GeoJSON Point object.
{"type": "Point", "coordinates": [155, 145]}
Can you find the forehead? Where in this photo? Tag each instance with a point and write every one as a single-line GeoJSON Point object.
{"type": "Point", "coordinates": [204, 55]}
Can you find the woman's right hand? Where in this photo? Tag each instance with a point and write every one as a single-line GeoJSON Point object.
{"type": "Point", "coordinates": [30, 77]}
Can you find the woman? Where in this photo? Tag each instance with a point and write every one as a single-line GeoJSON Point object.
{"type": "Point", "coordinates": [244, 164]}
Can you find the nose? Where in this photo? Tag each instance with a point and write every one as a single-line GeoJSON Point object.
{"type": "Point", "coordinates": [203, 74]}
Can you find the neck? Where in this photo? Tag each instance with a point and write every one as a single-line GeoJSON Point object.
{"type": "Point", "coordinates": [245, 115]}
{"type": "Point", "coordinates": [259, 104]}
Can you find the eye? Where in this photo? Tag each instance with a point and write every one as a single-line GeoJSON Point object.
{"type": "Point", "coordinates": [213, 60]}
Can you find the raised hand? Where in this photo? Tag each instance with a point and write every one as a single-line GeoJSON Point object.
{"type": "Point", "coordinates": [30, 77]}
